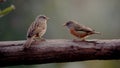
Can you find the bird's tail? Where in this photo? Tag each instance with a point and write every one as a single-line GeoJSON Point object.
{"type": "Point", "coordinates": [28, 43]}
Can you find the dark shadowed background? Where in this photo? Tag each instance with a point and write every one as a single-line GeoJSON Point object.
{"type": "Point", "coordinates": [101, 15]}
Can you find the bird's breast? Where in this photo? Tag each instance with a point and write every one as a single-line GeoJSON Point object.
{"type": "Point", "coordinates": [78, 34]}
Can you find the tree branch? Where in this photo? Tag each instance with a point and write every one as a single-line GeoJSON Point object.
{"type": "Point", "coordinates": [58, 50]}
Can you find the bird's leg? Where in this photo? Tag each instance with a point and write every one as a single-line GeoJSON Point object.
{"type": "Point", "coordinates": [77, 39]}
{"type": "Point", "coordinates": [35, 39]}
{"type": "Point", "coordinates": [40, 38]}
{"type": "Point", "coordinates": [83, 39]}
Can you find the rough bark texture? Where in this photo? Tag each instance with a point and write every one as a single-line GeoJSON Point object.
{"type": "Point", "coordinates": [58, 50]}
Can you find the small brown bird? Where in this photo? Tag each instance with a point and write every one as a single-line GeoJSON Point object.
{"type": "Point", "coordinates": [36, 30]}
{"type": "Point", "coordinates": [79, 30]}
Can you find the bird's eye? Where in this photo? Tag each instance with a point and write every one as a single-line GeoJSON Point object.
{"type": "Point", "coordinates": [68, 23]}
{"type": "Point", "coordinates": [44, 17]}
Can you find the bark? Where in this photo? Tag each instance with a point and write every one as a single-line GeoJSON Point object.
{"type": "Point", "coordinates": [58, 50]}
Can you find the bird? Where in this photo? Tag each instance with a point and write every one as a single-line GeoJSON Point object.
{"type": "Point", "coordinates": [79, 30]}
{"type": "Point", "coordinates": [36, 30]}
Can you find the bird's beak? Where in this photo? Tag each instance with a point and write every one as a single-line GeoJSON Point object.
{"type": "Point", "coordinates": [48, 18]}
{"type": "Point", "coordinates": [64, 24]}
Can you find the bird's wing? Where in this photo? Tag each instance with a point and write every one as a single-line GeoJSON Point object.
{"type": "Point", "coordinates": [34, 29]}
{"type": "Point", "coordinates": [83, 28]}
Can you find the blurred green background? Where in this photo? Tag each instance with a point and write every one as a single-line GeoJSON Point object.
{"type": "Point", "coordinates": [102, 15]}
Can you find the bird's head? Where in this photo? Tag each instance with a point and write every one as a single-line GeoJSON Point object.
{"type": "Point", "coordinates": [69, 24]}
{"type": "Point", "coordinates": [41, 18]}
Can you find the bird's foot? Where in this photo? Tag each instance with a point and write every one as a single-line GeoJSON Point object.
{"type": "Point", "coordinates": [38, 41]}
{"type": "Point", "coordinates": [78, 40]}
{"type": "Point", "coordinates": [43, 39]}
